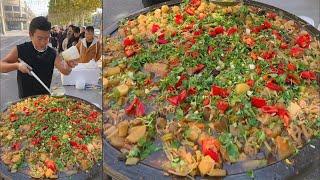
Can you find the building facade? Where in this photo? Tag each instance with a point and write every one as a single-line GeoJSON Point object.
{"type": "Point", "coordinates": [16, 14]}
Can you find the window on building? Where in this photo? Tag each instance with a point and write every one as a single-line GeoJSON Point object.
{"type": "Point", "coordinates": [16, 8]}
{"type": "Point", "coordinates": [8, 8]}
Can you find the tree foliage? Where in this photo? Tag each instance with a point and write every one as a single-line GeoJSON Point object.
{"type": "Point", "coordinates": [75, 11]}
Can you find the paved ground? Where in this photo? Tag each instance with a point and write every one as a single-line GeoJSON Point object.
{"type": "Point", "coordinates": [8, 83]}
{"type": "Point", "coordinates": [114, 10]}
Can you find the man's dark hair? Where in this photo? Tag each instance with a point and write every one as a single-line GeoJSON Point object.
{"type": "Point", "coordinates": [40, 23]}
{"type": "Point", "coordinates": [76, 29]}
{"type": "Point", "coordinates": [90, 28]}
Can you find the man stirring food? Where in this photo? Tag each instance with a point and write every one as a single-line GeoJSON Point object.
{"type": "Point", "coordinates": [39, 56]}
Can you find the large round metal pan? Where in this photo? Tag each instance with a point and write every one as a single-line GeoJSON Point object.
{"type": "Point", "coordinates": [94, 173]}
{"type": "Point", "coordinates": [305, 164]}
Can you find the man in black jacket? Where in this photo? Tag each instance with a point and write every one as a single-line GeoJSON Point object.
{"type": "Point", "coordinates": [39, 56]}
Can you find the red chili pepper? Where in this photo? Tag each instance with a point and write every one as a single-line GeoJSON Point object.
{"type": "Point", "coordinates": [83, 148]}
{"type": "Point", "coordinates": [178, 99]}
{"type": "Point", "coordinates": [192, 90]}
{"type": "Point", "coordinates": [206, 101]}
{"type": "Point", "coordinates": [155, 28]}
{"type": "Point", "coordinates": [284, 45]}
{"type": "Point", "coordinates": [292, 67]}
{"type": "Point", "coordinates": [268, 55]}
{"type": "Point", "coordinates": [54, 138]}
{"type": "Point", "coordinates": [128, 42]}
{"type": "Point", "coordinates": [51, 165]}
{"type": "Point", "coordinates": [178, 19]}
{"type": "Point", "coordinates": [136, 107]}
{"type": "Point", "coordinates": [218, 91]}
{"type": "Point", "coordinates": [311, 75]}
{"type": "Point", "coordinates": [210, 147]}
{"type": "Point", "coordinates": [231, 31]}
{"type": "Point", "coordinates": [304, 40]}
{"type": "Point", "coordinates": [273, 86]}
{"type": "Point", "coordinates": [79, 135]}
{"type": "Point", "coordinates": [93, 116]}
{"type": "Point", "coordinates": [222, 106]}
{"type": "Point", "coordinates": [271, 15]}
{"type": "Point", "coordinates": [190, 11]}
{"type": "Point", "coordinates": [258, 102]}
{"type": "Point", "coordinates": [250, 82]}
{"type": "Point", "coordinates": [296, 51]}
{"type": "Point", "coordinates": [16, 146]}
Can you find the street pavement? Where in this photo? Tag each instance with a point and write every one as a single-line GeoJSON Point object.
{"type": "Point", "coordinates": [8, 82]}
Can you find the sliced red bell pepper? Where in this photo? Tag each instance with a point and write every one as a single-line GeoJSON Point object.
{"type": "Point", "coordinates": [128, 42]}
{"type": "Point", "coordinates": [206, 101]}
{"type": "Point", "coordinates": [136, 107]}
{"type": "Point", "coordinates": [232, 30]}
{"type": "Point", "coordinates": [258, 102]}
{"type": "Point", "coordinates": [178, 19]}
{"type": "Point", "coordinates": [180, 81]}
{"type": "Point", "coordinates": [51, 165]}
{"type": "Point", "coordinates": [162, 40]}
{"type": "Point", "coordinates": [195, 3]}
{"type": "Point", "coordinates": [215, 31]}
{"type": "Point", "coordinates": [250, 82]}
{"type": "Point", "coordinates": [292, 67]}
{"type": "Point", "coordinates": [74, 144]}
{"type": "Point", "coordinates": [54, 138]}
{"type": "Point", "coordinates": [296, 51]}
{"type": "Point", "coordinates": [284, 45]}
{"type": "Point", "coordinates": [303, 40]}
{"type": "Point", "coordinates": [210, 147]}
{"type": "Point", "coordinates": [267, 55]}
{"type": "Point", "coordinates": [170, 88]}
{"type": "Point", "coordinates": [310, 75]}
{"type": "Point", "coordinates": [277, 34]}
{"type": "Point", "coordinates": [222, 106]}
{"type": "Point", "coordinates": [218, 91]}
{"type": "Point", "coordinates": [271, 15]}
{"type": "Point", "coordinates": [256, 29]}
{"type": "Point", "coordinates": [16, 146]}
{"type": "Point", "coordinates": [178, 99]}
{"type": "Point", "coordinates": [266, 25]}
{"type": "Point", "coordinates": [269, 109]}
{"type": "Point", "coordinates": [198, 33]}
{"type": "Point", "coordinates": [36, 141]}
{"type": "Point", "coordinates": [155, 28]}
{"type": "Point", "coordinates": [273, 86]}
{"type": "Point", "coordinates": [284, 115]}
{"type": "Point", "coordinates": [192, 91]}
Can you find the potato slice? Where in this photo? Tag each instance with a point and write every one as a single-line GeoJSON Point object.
{"type": "Point", "coordinates": [242, 88]}
{"type": "Point", "coordinates": [123, 128]}
{"type": "Point", "coordinates": [110, 71]}
{"type": "Point", "coordinates": [122, 89]}
{"type": "Point", "coordinates": [136, 133]}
